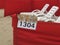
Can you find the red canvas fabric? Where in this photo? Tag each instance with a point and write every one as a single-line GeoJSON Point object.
{"type": "Point", "coordinates": [2, 2]}
{"type": "Point", "coordinates": [17, 6]}
{"type": "Point", "coordinates": [45, 34]}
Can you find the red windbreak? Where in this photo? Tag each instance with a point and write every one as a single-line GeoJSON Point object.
{"type": "Point", "coordinates": [45, 34]}
{"type": "Point", "coordinates": [17, 6]}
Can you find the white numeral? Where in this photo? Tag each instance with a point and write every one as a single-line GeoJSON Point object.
{"type": "Point", "coordinates": [52, 11]}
